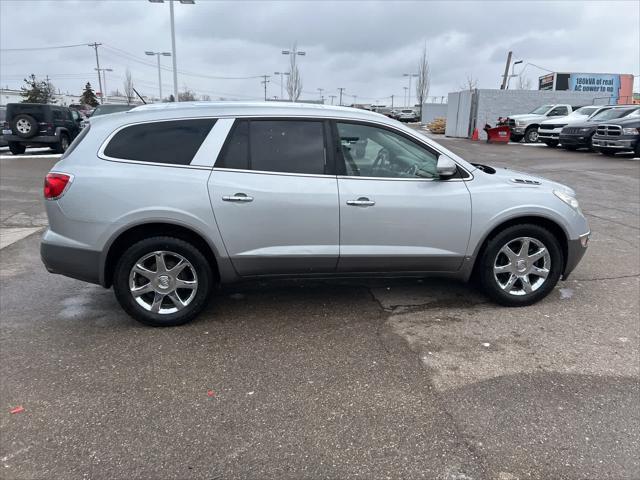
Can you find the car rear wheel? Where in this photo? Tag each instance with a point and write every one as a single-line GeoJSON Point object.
{"type": "Point", "coordinates": [16, 148]}
{"type": "Point", "coordinates": [520, 265]}
{"type": "Point", "coordinates": [163, 281]}
{"type": "Point", "coordinates": [63, 144]}
{"type": "Point", "coordinates": [24, 126]}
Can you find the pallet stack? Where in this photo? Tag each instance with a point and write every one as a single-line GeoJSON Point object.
{"type": "Point", "coordinates": [437, 125]}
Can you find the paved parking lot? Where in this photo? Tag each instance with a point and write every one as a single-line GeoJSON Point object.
{"type": "Point", "coordinates": [345, 379]}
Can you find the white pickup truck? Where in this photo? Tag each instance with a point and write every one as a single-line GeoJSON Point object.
{"type": "Point", "coordinates": [526, 125]}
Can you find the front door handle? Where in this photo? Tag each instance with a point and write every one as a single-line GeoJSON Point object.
{"type": "Point", "coordinates": [238, 197]}
{"type": "Point", "coordinates": [361, 202]}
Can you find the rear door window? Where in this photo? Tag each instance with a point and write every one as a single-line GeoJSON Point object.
{"type": "Point", "coordinates": [173, 142]}
{"type": "Point", "coordinates": [284, 146]}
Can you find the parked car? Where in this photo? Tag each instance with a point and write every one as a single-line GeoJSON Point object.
{"type": "Point", "coordinates": [526, 125]}
{"type": "Point", "coordinates": [163, 202]}
{"type": "Point", "coordinates": [580, 135]}
{"type": "Point", "coordinates": [549, 130]}
{"type": "Point", "coordinates": [407, 115]}
{"type": "Point", "coordinates": [3, 116]}
{"type": "Point", "coordinates": [40, 125]}
{"type": "Point", "coordinates": [619, 136]}
{"type": "Point", "coordinates": [106, 109]}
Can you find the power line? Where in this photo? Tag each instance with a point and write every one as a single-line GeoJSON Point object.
{"type": "Point", "coordinates": [40, 48]}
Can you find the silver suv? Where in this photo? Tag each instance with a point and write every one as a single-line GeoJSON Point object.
{"type": "Point", "coordinates": [165, 201]}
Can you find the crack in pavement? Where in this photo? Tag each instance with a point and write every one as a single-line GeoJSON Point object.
{"type": "Point", "coordinates": [605, 278]}
{"type": "Point", "coordinates": [612, 221]}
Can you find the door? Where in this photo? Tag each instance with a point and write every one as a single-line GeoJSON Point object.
{"type": "Point", "coordinates": [395, 213]}
{"type": "Point", "coordinates": [275, 197]}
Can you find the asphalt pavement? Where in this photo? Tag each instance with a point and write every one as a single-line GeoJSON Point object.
{"type": "Point", "coordinates": [343, 379]}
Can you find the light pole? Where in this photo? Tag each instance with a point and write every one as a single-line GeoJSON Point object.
{"type": "Point", "coordinates": [513, 66]}
{"type": "Point", "coordinates": [410, 75]}
{"type": "Point", "coordinates": [341, 89]}
{"type": "Point", "coordinates": [321, 97]}
{"type": "Point", "coordinates": [332, 97]}
{"type": "Point", "coordinates": [157, 54]}
{"type": "Point", "coordinates": [292, 54]}
{"type": "Point", "coordinates": [173, 42]}
{"type": "Point", "coordinates": [103, 95]}
{"type": "Point", "coordinates": [282, 74]}
{"type": "Point", "coordinates": [405, 95]}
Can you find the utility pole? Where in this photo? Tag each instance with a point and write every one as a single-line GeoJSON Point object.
{"type": "Point", "coordinates": [265, 81]}
{"type": "Point", "coordinates": [392, 101]}
{"type": "Point", "coordinates": [332, 97]}
{"type": "Point", "coordinates": [95, 45]}
{"type": "Point", "coordinates": [282, 74]}
{"type": "Point", "coordinates": [405, 95]}
{"type": "Point", "coordinates": [355, 101]}
{"type": "Point", "coordinates": [340, 90]}
{"type": "Point", "coordinates": [321, 97]}
{"type": "Point", "coordinates": [506, 71]}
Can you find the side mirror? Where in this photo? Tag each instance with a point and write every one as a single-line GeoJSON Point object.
{"type": "Point", "coordinates": [446, 167]}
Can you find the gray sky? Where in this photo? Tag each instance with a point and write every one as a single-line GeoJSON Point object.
{"type": "Point", "coordinates": [362, 46]}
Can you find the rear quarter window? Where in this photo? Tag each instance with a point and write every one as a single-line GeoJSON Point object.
{"type": "Point", "coordinates": [173, 142]}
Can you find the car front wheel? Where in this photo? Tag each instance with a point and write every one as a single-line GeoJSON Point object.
{"type": "Point", "coordinates": [16, 148]}
{"type": "Point", "coordinates": [521, 265]}
{"type": "Point", "coordinates": [531, 135]}
{"type": "Point", "coordinates": [163, 281]}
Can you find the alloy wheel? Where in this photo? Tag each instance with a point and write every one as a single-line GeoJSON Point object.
{"type": "Point", "coordinates": [163, 282]}
{"type": "Point", "coordinates": [522, 266]}
{"type": "Point", "coordinates": [23, 126]}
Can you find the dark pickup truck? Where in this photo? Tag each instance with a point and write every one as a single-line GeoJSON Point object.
{"type": "Point", "coordinates": [619, 136]}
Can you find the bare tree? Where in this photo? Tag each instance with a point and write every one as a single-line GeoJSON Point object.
{"type": "Point", "coordinates": [424, 78]}
{"type": "Point", "coordinates": [470, 84]}
{"type": "Point", "coordinates": [294, 81]}
{"type": "Point", "coordinates": [128, 87]}
{"type": "Point", "coordinates": [524, 83]}
{"type": "Point", "coordinates": [186, 95]}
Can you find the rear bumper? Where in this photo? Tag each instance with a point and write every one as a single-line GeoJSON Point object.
{"type": "Point", "coordinates": [39, 139]}
{"type": "Point", "coordinates": [71, 262]}
{"type": "Point", "coordinates": [575, 251]}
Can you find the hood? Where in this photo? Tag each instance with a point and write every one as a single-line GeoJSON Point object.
{"type": "Point", "coordinates": [566, 119]}
{"type": "Point", "coordinates": [525, 117]}
{"type": "Point", "coordinates": [521, 179]}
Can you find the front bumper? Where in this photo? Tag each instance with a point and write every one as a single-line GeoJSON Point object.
{"type": "Point", "coordinates": [517, 130]}
{"type": "Point", "coordinates": [575, 251]}
{"type": "Point", "coordinates": [618, 143]}
{"type": "Point", "coordinates": [548, 135]}
{"type": "Point", "coordinates": [574, 140]}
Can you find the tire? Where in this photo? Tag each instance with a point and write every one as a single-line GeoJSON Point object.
{"type": "Point", "coordinates": [495, 285]}
{"type": "Point", "coordinates": [63, 144]}
{"type": "Point", "coordinates": [636, 151]}
{"type": "Point", "coordinates": [16, 148]}
{"type": "Point", "coordinates": [551, 143]}
{"type": "Point", "coordinates": [516, 138]}
{"type": "Point", "coordinates": [531, 135]}
{"type": "Point", "coordinates": [571, 148]}
{"type": "Point", "coordinates": [24, 126]}
{"type": "Point", "coordinates": [609, 152]}
{"type": "Point", "coordinates": [162, 286]}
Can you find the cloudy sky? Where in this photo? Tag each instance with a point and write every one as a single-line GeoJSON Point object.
{"type": "Point", "coordinates": [362, 46]}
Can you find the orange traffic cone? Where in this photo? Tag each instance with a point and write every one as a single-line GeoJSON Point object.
{"type": "Point", "coordinates": [474, 135]}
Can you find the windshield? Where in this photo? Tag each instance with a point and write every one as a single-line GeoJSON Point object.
{"type": "Point", "coordinates": [541, 110]}
{"type": "Point", "coordinates": [611, 113]}
{"type": "Point", "coordinates": [106, 109]}
{"type": "Point", "coordinates": [583, 111]}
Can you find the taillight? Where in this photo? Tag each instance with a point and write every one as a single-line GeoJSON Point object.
{"type": "Point", "coordinates": [55, 184]}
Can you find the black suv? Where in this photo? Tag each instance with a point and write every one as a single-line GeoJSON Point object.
{"type": "Point", "coordinates": [37, 124]}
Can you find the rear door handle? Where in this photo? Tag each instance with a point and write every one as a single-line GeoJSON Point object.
{"type": "Point", "coordinates": [361, 202]}
{"type": "Point", "coordinates": [238, 197]}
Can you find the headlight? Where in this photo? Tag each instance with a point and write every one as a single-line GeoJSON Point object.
{"type": "Point", "coordinates": [631, 131]}
{"type": "Point", "coordinates": [568, 199]}
{"type": "Point", "coordinates": [583, 130]}
{"type": "Point", "coordinates": [520, 123]}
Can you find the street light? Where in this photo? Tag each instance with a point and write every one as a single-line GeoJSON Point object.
{"type": "Point", "coordinates": [410, 75]}
{"type": "Point", "coordinates": [164, 54]}
{"type": "Point", "coordinates": [405, 94]}
{"type": "Point", "coordinates": [513, 66]}
{"type": "Point", "coordinates": [282, 74]}
{"type": "Point", "coordinates": [173, 41]}
{"type": "Point", "coordinates": [103, 95]}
